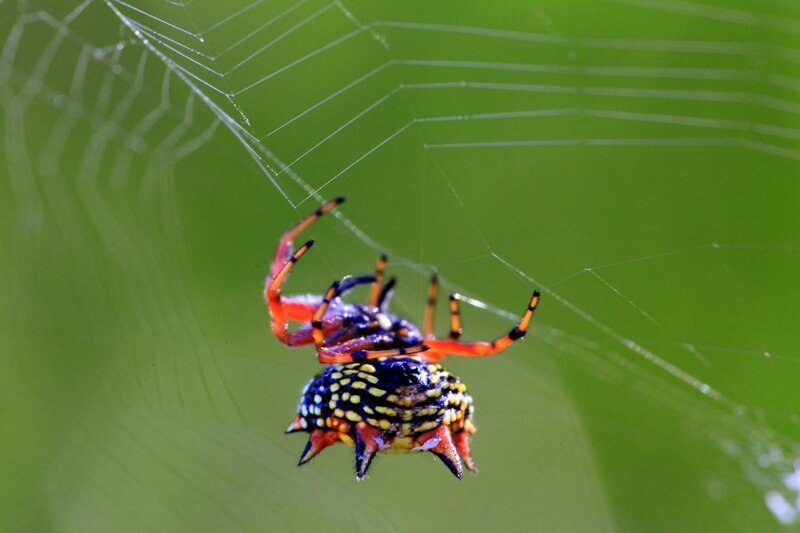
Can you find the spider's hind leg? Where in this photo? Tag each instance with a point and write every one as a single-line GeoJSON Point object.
{"type": "Point", "coordinates": [442, 348]}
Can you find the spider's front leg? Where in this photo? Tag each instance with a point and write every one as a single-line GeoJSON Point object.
{"type": "Point", "coordinates": [284, 250]}
{"type": "Point", "coordinates": [272, 294]}
{"type": "Point", "coordinates": [281, 267]}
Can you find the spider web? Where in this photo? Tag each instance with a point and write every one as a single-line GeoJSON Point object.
{"type": "Point", "coordinates": [347, 97]}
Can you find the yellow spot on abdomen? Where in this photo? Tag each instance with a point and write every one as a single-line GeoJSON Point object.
{"type": "Point", "coordinates": [427, 425]}
{"type": "Point", "coordinates": [368, 377]}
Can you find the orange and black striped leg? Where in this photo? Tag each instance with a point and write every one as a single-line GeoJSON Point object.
{"type": "Point", "coordinates": [336, 289]}
{"type": "Point", "coordinates": [375, 291]}
{"type": "Point", "coordinates": [316, 321]}
{"type": "Point", "coordinates": [430, 308]}
{"type": "Point", "coordinates": [442, 348]}
{"type": "Point", "coordinates": [272, 294]}
{"type": "Point", "coordinates": [455, 318]}
{"type": "Point", "coordinates": [361, 349]}
{"type": "Point", "coordinates": [331, 355]}
{"type": "Point", "coordinates": [393, 352]}
{"type": "Point", "coordinates": [284, 250]}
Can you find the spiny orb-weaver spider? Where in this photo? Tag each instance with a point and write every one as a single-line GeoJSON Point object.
{"type": "Point", "coordinates": [382, 389]}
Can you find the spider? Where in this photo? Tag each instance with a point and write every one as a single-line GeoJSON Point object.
{"type": "Point", "coordinates": [382, 389]}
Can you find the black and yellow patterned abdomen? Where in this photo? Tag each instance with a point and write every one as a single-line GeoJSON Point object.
{"type": "Point", "coordinates": [402, 397]}
{"type": "Point", "coordinates": [392, 404]}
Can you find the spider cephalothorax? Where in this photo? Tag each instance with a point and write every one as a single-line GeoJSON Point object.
{"type": "Point", "coordinates": [382, 390]}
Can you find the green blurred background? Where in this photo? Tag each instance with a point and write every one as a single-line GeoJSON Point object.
{"type": "Point", "coordinates": [636, 160]}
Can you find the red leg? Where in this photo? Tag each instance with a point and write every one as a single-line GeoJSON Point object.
{"type": "Point", "coordinates": [272, 294]}
{"type": "Point", "coordinates": [439, 349]}
{"type": "Point", "coordinates": [300, 308]}
{"type": "Point", "coordinates": [282, 265]}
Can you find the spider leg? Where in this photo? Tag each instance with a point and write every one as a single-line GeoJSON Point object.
{"type": "Point", "coordinates": [342, 334]}
{"type": "Point", "coordinates": [375, 291]}
{"type": "Point", "coordinates": [284, 250]}
{"type": "Point", "coordinates": [455, 318]}
{"type": "Point", "coordinates": [281, 265]}
{"type": "Point", "coordinates": [362, 348]}
{"type": "Point", "coordinates": [272, 294]}
{"type": "Point", "coordinates": [336, 289]}
{"type": "Point", "coordinates": [392, 352]}
{"type": "Point", "coordinates": [430, 309]}
{"type": "Point", "coordinates": [386, 294]}
{"type": "Point", "coordinates": [351, 282]}
{"type": "Point", "coordinates": [442, 348]}
{"type": "Point", "coordinates": [305, 335]}
{"type": "Point", "coordinates": [300, 308]}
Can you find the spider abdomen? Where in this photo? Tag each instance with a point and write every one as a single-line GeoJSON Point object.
{"type": "Point", "coordinates": [397, 404]}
